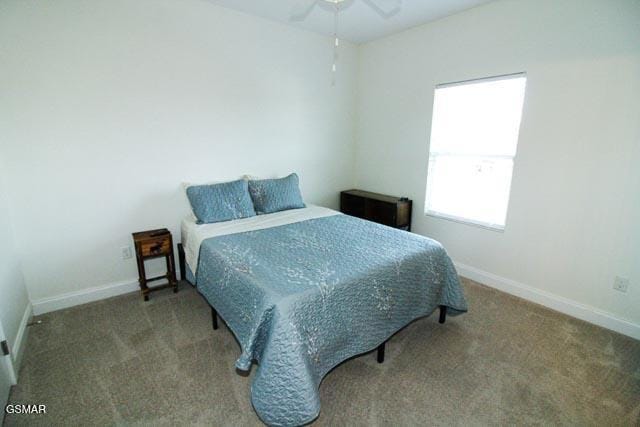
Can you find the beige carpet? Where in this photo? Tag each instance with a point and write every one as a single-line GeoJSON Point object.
{"type": "Point", "coordinates": [506, 362]}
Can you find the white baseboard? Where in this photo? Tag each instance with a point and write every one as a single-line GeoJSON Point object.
{"type": "Point", "coordinates": [555, 302]}
{"type": "Point", "coordinates": [21, 339]}
{"type": "Point", "coordinates": [46, 305]}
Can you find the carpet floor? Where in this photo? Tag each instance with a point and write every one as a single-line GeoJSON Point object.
{"type": "Point", "coordinates": [507, 362]}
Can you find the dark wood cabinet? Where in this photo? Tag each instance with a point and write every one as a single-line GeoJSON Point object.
{"type": "Point", "coordinates": [383, 209]}
{"type": "Point", "coordinates": [154, 244]}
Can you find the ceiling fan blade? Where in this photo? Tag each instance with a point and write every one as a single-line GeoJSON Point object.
{"type": "Point", "coordinates": [302, 10]}
{"type": "Point", "coordinates": [385, 8]}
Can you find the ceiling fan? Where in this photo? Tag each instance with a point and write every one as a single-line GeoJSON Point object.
{"type": "Point", "coordinates": [385, 8]}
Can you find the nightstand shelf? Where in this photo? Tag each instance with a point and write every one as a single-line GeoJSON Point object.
{"type": "Point", "coordinates": [155, 244]}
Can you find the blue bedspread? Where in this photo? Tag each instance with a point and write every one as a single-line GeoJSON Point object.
{"type": "Point", "coordinates": [303, 297]}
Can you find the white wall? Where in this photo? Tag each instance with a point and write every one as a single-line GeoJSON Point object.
{"type": "Point", "coordinates": [573, 221]}
{"type": "Point", "coordinates": [14, 300]}
{"type": "Point", "coordinates": [106, 107]}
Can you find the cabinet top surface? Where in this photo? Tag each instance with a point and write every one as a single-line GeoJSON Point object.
{"type": "Point", "coordinates": [151, 234]}
{"type": "Point", "coordinates": [375, 196]}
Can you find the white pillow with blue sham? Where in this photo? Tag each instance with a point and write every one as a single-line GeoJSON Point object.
{"type": "Point", "coordinates": [186, 185]}
{"type": "Point", "coordinates": [220, 202]}
{"type": "Point", "coordinates": [274, 195]}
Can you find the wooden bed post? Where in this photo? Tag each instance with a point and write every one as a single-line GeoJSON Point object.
{"type": "Point", "coordinates": [443, 314]}
{"type": "Point", "coordinates": [381, 352]}
{"type": "Point", "coordinates": [214, 317]}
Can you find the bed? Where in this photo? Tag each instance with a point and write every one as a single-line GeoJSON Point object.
{"type": "Point", "coordinates": [305, 289]}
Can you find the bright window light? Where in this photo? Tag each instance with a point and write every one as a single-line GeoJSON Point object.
{"type": "Point", "coordinates": [474, 136]}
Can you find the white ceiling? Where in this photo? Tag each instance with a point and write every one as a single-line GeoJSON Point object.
{"type": "Point", "coordinates": [359, 23]}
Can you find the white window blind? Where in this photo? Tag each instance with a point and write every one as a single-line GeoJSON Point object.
{"type": "Point", "coordinates": [474, 136]}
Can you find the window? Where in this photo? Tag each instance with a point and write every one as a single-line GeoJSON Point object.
{"type": "Point", "coordinates": [474, 135]}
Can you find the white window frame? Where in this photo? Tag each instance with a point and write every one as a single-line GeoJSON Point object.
{"type": "Point", "coordinates": [462, 220]}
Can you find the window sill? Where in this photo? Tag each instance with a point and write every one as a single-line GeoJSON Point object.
{"type": "Point", "coordinates": [465, 221]}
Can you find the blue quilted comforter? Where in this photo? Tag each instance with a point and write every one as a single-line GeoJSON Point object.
{"type": "Point", "coordinates": [303, 297]}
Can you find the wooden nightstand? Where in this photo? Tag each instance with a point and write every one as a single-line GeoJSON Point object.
{"type": "Point", "coordinates": [154, 244]}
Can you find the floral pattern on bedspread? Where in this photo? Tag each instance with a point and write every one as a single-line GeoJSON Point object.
{"type": "Point", "coordinates": [303, 297]}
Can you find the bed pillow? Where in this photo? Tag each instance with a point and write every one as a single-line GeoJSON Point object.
{"type": "Point", "coordinates": [274, 195]}
{"type": "Point", "coordinates": [186, 185]}
{"type": "Point", "coordinates": [220, 202]}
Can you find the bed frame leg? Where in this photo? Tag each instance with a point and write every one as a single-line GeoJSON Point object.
{"type": "Point", "coordinates": [443, 314]}
{"type": "Point", "coordinates": [381, 352]}
{"type": "Point", "coordinates": [214, 318]}
{"type": "Point", "coordinates": [181, 261]}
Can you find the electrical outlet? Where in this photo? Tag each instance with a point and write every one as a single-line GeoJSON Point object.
{"type": "Point", "coordinates": [127, 253]}
{"type": "Point", "coordinates": [621, 284]}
